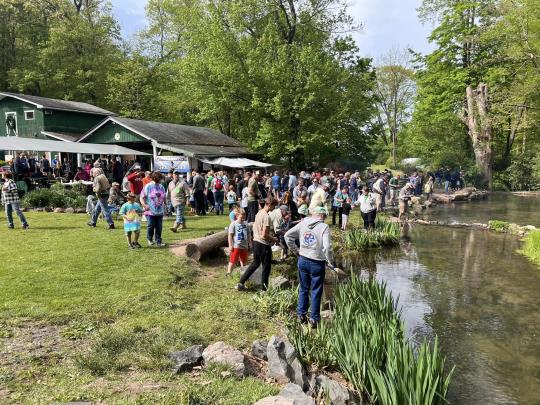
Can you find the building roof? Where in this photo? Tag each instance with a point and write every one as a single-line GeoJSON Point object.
{"type": "Point", "coordinates": [204, 150]}
{"type": "Point", "coordinates": [54, 104]}
{"type": "Point", "coordinates": [189, 140]}
{"type": "Point", "coordinates": [62, 136]}
{"type": "Point", "coordinates": [45, 145]}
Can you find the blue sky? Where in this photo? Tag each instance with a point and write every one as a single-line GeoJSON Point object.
{"type": "Point", "coordinates": [387, 23]}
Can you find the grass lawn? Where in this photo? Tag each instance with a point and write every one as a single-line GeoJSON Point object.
{"type": "Point", "coordinates": [84, 318]}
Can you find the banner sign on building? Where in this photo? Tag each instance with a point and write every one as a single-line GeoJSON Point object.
{"type": "Point", "coordinates": [177, 163]}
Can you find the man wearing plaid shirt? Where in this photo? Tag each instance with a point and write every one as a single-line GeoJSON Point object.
{"type": "Point", "coordinates": [10, 199]}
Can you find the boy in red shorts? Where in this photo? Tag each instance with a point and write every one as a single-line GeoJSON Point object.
{"type": "Point", "coordinates": [239, 240]}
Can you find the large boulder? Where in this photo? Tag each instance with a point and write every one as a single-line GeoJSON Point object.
{"type": "Point", "coordinates": [58, 210]}
{"type": "Point", "coordinates": [334, 391]}
{"type": "Point", "coordinates": [280, 283]}
{"type": "Point", "coordinates": [283, 363]}
{"type": "Point", "coordinates": [70, 210]}
{"type": "Point", "coordinates": [296, 394]}
{"type": "Point", "coordinates": [259, 349]}
{"type": "Point", "coordinates": [256, 277]}
{"type": "Point", "coordinates": [185, 360]}
{"type": "Point", "coordinates": [221, 353]}
{"type": "Point", "coordinates": [442, 198]}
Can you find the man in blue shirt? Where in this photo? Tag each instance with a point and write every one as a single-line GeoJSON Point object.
{"type": "Point", "coordinates": [276, 182]}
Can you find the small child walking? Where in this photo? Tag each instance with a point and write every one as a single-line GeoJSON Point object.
{"type": "Point", "coordinates": [131, 211]}
{"type": "Point", "coordinates": [231, 198]}
{"type": "Point", "coordinates": [239, 240]}
{"type": "Point", "coordinates": [346, 210]}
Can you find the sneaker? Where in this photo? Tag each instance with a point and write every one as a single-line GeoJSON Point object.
{"type": "Point", "coordinates": [313, 324]}
{"type": "Point", "coordinates": [161, 245]}
{"type": "Point", "coordinates": [132, 246]}
{"type": "Point", "coordinates": [137, 245]}
{"type": "Point", "coordinates": [11, 227]}
{"type": "Point", "coordinates": [25, 226]}
{"type": "Point", "coordinates": [150, 243]}
{"type": "Point", "coordinates": [111, 226]}
{"type": "Point", "coordinates": [240, 287]}
{"type": "Point", "coordinates": [174, 229]}
{"type": "Point", "coordinates": [91, 224]}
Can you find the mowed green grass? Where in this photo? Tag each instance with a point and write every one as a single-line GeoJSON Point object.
{"type": "Point", "coordinates": [84, 318]}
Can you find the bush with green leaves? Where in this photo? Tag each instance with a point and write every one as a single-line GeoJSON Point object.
{"type": "Point", "coordinates": [55, 197]}
{"type": "Point", "coordinates": [366, 342]}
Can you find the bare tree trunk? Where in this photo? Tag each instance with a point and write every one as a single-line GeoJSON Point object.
{"type": "Point", "coordinates": [478, 121]}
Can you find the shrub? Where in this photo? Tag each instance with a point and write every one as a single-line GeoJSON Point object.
{"type": "Point", "coordinates": [54, 197]}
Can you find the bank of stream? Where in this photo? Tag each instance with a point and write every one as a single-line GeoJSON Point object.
{"type": "Point", "coordinates": [475, 292]}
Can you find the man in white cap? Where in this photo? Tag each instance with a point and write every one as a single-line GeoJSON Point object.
{"type": "Point", "coordinates": [405, 195]}
{"type": "Point", "coordinates": [315, 253]}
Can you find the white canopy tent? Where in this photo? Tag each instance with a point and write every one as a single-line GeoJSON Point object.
{"type": "Point", "coordinates": [13, 143]}
{"type": "Point", "coordinates": [235, 162]}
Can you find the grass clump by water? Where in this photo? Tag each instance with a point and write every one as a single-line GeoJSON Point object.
{"type": "Point", "coordinates": [531, 247]}
{"type": "Point", "coordinates": [498, 226]}
{"type": "Point", "coordinates": [365, 341]}
{"type": "Point", "coordinates": [386, 233]}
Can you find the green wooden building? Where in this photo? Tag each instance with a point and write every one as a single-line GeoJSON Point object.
{"type": "Point", "coordinates": [165, 139]}
{"type": "Point", "coordinates": [45, 118]}
{"type": "Point", "coordinates": [40, 117]}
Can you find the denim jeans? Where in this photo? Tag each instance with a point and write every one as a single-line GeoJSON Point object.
{"type": "Point", "coordinates": [9, 213]}
{"type": "Point", "coordinates": [102, 205]}
{"type": "Point", "coordinates": [179, 209]}
{"type": "Point", "coordinates": [218, 201]}
{"type": "Point", "coordinates": [311, 274]}
{"type": "Point", "coordinates": [155, 226]}
{"type": "Point", "coordinates": [446, 186]}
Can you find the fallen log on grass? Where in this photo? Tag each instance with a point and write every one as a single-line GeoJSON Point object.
{"type": "Point", "coordinates": [198, 248]}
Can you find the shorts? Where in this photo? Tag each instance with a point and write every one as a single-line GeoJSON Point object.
{"type": "Point", "coordinates": [239, 253]}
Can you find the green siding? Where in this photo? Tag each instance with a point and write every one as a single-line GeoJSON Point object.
{"type": "Point", "coordinates": [27, 129]}
{"type": "Point", "coordinates": [106, 134]}
{"type": "Point", "coordinates": [71, 122]}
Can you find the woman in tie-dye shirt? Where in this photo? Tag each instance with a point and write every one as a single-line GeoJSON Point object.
{"type": "Point", "coordinates": [153, 202]}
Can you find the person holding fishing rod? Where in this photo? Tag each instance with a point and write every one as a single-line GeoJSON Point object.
{"type": "Point", "coordinates": [314, 254]}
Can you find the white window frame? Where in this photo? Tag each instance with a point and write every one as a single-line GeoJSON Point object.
{"type": "Point", "coordinates": [33, 115]}
{"type": "Point", "coordinates": [14, 113]}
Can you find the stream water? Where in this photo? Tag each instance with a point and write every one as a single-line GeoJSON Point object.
{"type": "Point", "coordinates": [477, 294]}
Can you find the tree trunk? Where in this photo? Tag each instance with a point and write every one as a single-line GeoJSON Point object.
{"type": "Point", "coordinates": [208, 244]}
{"type": "Point", "coordinates": [478, 121]}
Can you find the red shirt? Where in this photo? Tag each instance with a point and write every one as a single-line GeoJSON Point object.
{"type": "Point", "coordinates": [135, 183]}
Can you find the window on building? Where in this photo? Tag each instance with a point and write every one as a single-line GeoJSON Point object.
{"type": "Point", "coordinates": [29, 115]}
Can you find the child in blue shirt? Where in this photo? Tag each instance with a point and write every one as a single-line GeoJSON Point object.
{"type": "Point", "coordinates": [131, 212]}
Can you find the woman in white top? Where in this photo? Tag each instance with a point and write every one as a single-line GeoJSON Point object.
{"type": "Point", "coordinates": [368, 208]}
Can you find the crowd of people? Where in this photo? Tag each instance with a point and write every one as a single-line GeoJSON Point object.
{"type": "Point", "coordinates": [284, 211]}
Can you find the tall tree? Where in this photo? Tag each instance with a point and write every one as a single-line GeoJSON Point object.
{"type": "Point", "coordinates": [275, 74]}
{"type": "Point", "coordinates": [395, 92]}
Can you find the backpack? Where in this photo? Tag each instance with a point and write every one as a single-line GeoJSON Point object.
{"type": "Point", "coordinates": [218, 184]}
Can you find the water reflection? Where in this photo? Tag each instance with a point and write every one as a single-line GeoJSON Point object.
{"type": "Point", "coordinates": [479, 296]}
{"type": "Point", "coordinates": [507, 207]}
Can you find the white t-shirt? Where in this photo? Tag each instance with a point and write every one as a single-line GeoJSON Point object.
{"type": "Point", "coordinates": [245, 196]}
